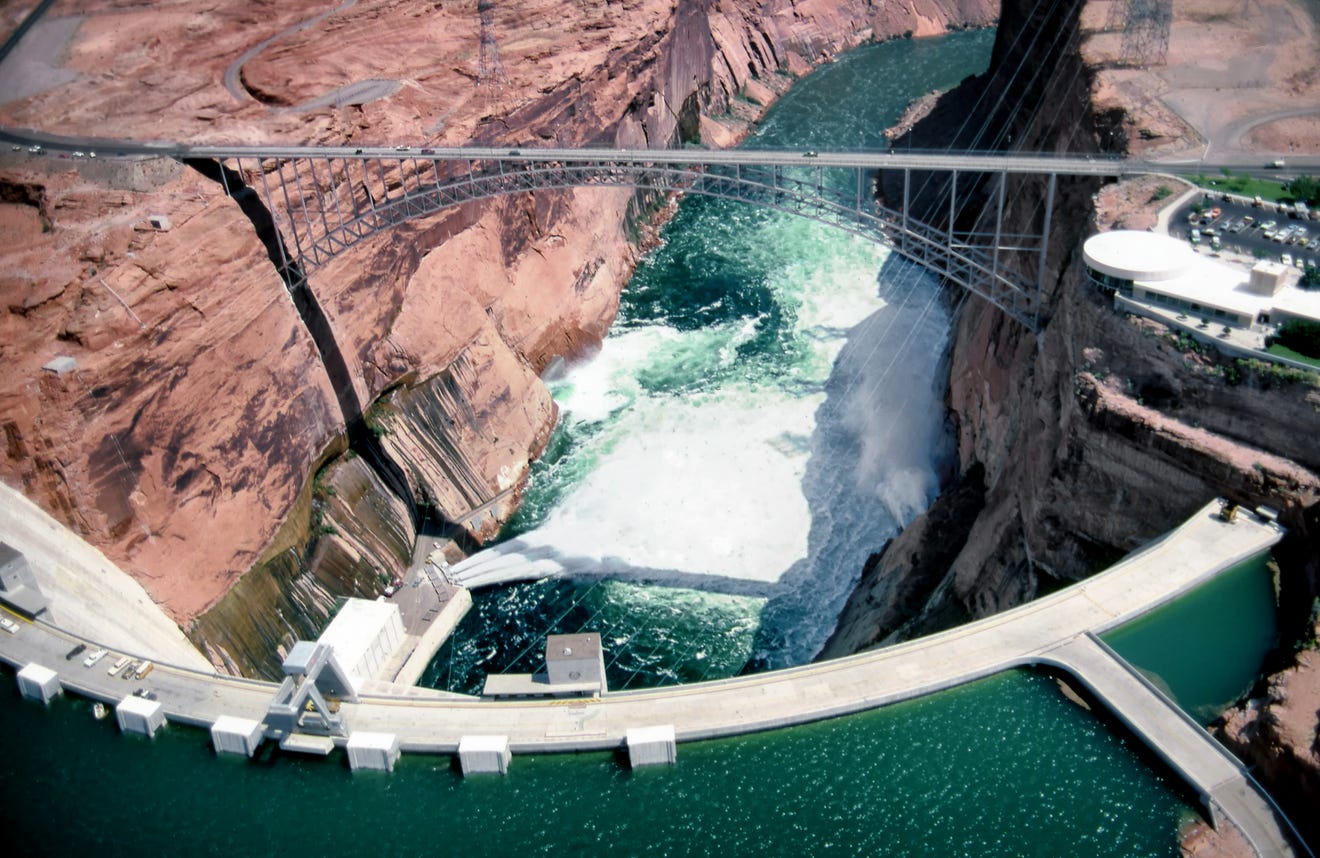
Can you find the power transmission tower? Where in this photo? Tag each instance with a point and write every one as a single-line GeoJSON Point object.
{"type": "Point", "coordinates": [490, 71]}
{"type": "Point", "coordinates": [1117, 18]}
{"type": "Point", "coordinates": [1146, 27]}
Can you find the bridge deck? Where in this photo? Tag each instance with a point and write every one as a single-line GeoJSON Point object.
{"type": "Point", "coordinates": [1045, 631]}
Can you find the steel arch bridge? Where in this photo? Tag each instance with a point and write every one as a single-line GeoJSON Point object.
{"type": "Point", "coordinates": [328, 200]}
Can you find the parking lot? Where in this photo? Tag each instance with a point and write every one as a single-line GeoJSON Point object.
{"type": "Point", "coordinates": [1259, 232]}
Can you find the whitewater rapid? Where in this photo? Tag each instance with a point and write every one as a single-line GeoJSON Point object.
{"type": "Point", "coordinates": [700, 467]}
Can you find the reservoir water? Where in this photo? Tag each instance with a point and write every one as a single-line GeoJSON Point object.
{"type": "Point", "coordinates": [1005, 766]}
{"type": "Point", "coordinates": [1002, 767]}
{"type": "Point", "coordinates": [1206, 650]}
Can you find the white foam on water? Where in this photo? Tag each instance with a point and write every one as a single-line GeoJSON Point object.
{"type": "Point", "coordinates": [737, 481]}
{"type": "Point", "coordinates": [704, 485]}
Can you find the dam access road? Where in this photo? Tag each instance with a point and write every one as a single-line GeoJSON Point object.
{"type": "Point", "coordinates": [1055, 631]}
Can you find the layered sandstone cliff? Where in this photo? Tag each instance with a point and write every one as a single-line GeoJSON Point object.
{"type": "Point", "coordinates": [188, 444]}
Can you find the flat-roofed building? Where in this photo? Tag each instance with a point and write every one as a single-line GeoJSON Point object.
{"type": "Point", "coordinates": [1165, 271]}
{"type": "Point", "coordinates": [363, 635]}
{"type": "Point", "coordinates": [574, 665]}
{"type": "Point", "coordinates": [573, 659]}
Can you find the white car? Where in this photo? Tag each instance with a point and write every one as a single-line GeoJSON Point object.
{"type": "Point", "coordinates": [9, 625]}
{"type": "Point", "coordinates": [94, 658]}
{"type": "Point", "coordinates": [1287, 259]}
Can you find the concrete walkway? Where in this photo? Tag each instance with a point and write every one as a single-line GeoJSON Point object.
{"type": "Point", "coordinates": [1222, 781]}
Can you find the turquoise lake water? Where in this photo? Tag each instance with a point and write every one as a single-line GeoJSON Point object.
{"type": "Point", "coordinates": [1206, 651]}
{"type": "Point", "coordinates": [1003, 767]}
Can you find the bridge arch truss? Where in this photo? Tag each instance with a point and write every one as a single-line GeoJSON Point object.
{"type": "Point", "coordinates": [326, 205]}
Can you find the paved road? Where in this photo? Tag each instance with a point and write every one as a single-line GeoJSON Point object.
{"type": "Point", "coordinates": [233, 73]}
{"type": "Point", "coordinates": [1061, 164]}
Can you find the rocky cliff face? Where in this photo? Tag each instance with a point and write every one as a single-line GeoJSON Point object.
{"type": "Point", "coordinates": [187, 442]}
{"type": "Point", "coordinates": [1078, 444]}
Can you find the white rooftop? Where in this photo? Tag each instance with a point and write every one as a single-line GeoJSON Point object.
{"type": "Point", "coordinates": [641, 735]}
{"type": "Point", "coordinates": [471, 744]}
{"type": "Point", "coordinates": [1212, 283]}
{"type": "Point", "coordinates": [1299, 302]}
{"type": "Point", "coordinates": [138, 706]}
{"type": "Point", "coordinates": [374, 741]}
{"type": "Point", "coordinates": [355, 628]}
{"type": "Point", "coordinates": [234, 725]}
{"type": "Point", "coordinates": [38, 673]}
{"type": "Point", "coordinates": [1134, 255]}
{"type": "Point", "coordinates": [1169, 266]}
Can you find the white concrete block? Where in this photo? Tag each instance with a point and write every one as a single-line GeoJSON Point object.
{"type": "Point", "coordinates": [650, 746]}
{"type": "Point", "coordinates": [374, 751]}
{"type": "Point", "coordinates": [484, 755]}
{"type": "Point", "coordinates": [38, 683]}
{"type": "Point", "coordinates": [302, 743]}
{"type": "Point", "coordinates": [230, 735]}
{"type": "Point", "coordinates": [139, 715]}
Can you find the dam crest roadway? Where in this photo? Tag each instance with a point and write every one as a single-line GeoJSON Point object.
{"type": "Point", "coordinates": [1056, 631]}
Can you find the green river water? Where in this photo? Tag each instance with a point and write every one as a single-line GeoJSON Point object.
{"type": "Point", "coordinates": [1005, 766]}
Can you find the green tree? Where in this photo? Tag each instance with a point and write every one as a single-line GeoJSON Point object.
{"type": "Point", "coordinates": [1300, 335]}
{"type": "Point", "coordinates": [1310, 279]}
{"type": "Point", "coordinates": [1305, 188]}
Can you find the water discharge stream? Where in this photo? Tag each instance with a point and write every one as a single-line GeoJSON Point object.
{"type": "Point", "coordinates": [766, 412]}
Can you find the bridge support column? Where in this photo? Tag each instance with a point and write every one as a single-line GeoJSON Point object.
{"type": "Point", "coordinates": [1045, 234]}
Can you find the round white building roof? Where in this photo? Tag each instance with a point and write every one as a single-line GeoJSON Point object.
{"type": "Point", "coordinates": [1133, 255]}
